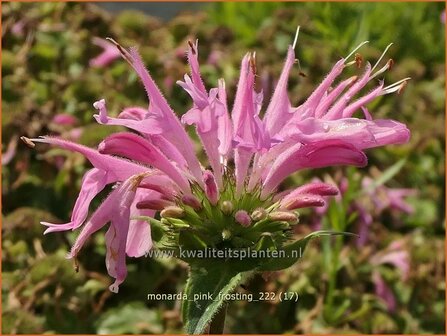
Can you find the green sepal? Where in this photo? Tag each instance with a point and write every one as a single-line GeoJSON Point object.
{"type": "Point", "coordinates": [190, 240]}
{"type": "Point", "coordinates": [266, 242]}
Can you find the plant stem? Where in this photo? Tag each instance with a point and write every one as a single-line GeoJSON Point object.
{"type": "Point", "coordinates": [218, 323]}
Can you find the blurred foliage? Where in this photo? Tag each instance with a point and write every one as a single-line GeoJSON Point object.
{"type": "Point", "coordinates": [45, 69]}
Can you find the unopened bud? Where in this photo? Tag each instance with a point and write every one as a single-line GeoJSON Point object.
{"type": "Point", "coordinates": [242, 218]}
{"type": "Point", "coordinates": [284, 216]}
{"type": "Point", "coordinates": [226, 234]}
{"type": "Point", "coordinates": [210, 187]}
{"type": "Point", "coordinates": [302, 201]}
{"type": "Point", "coordinates": [227, 207]}
{"type": "Point", "coordinates": [172, 212]}
{"type": "Point", "coordinates": [167, 192]}
{"type": "Point", "coordinates": [192, 201]}
{"type": "Point", "coordinates": [258, 214]}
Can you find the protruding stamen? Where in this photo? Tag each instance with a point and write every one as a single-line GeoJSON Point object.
{"type": "Point", "coordinates": [358, 59]}
{"type": "Point", "coordinates": [258, 214]}
{"type": "Point", "coordinates": [253, 62]}
{"type": "Point", "coordinates": [172, 212]}
{"type": "Point", "coordinates": [136, 180]}
{"type": "Point", "coordinates": [227, 207]}
{"type": "Point", "coordinates": [28, 142]}
{"type": "Point", "coordinates": [124, 53]}
{"type": "Point", "coordinates": [402, 87]}
{"type": "Point", "coordinates": [395, 87]}
{"type": "Point", "coordinates": [191, 45]}
{"type": "Point", "coordinates": [76, 264]}
{"type": "Point", "coordinates": [386, 67]}
{"type": "Point", "coordinates": [242, 218]}
{"type": "Point", "coordinates": [355, 49]}
{"type": "Point", "coordinates": [295, 40]}
{"type": "Point", "coordinates": [301, 73]}
{"type": "Point", "coordinates": [390, 63]}
{"type": "Point", "coordinates": [381, 56]}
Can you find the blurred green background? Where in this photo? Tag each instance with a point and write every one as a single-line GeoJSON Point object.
{"type": "Point", "coordinates": [45, 71]}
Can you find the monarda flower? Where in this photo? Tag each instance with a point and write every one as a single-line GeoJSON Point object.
{"type": "Point", "coordinates": [230, 201]}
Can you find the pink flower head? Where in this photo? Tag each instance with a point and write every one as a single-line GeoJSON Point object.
{"type": "Point", "coordinates": [156, 166]}
{"type": "Point", "coordinates": [18, 28]}
{"type": "Point", "coordinates": [64, 119]}
{"type": "Point", "coordinates": [376, 200]}
{"type": "Point", "coordinates": [397, 256]}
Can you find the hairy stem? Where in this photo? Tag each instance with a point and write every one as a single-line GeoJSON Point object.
{"type": "Point", "coordinates": [218, 323]}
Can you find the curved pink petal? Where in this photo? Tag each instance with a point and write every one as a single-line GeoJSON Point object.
{"type": "Point", "coordinates": [388, 132]}
{"type": "Point", "coordinates": [117, 169]}
{"type": "Point", "coordinates": [240, 92]}
{"type": "Point", "coordinates": [359, 103]}
{"type": "Point", "coordinates": [137, 148]}
{"type": "Point", "coordinates": [315, 155]}
{"type": "Point", "coordinates": [134, 113]}
{"type": "Point", "coordinates": [336, 111]}
{"type": "Point", "coordinates": [168, 122]}
{"type": "Point", "coordinates": [307, 109]}
{"type": "Point", "coordinates": [397, 199]}
{"type": "Point", "coordinates": [359, 132]}
{"type": "Point", "coordinates": [193, 60]}
{"type": "Point", "coordinates": [205, 113]}
{"type": "Point", "coordinates": [225, 126]}
{"type": "Point", "coordinates": [10, 151]}
{"type": "Point", "coordinates": [384, 291]}
{"type": "Point", "coordinates": [93, 183]}
{"type": "Point", "coordinates": [139, 240]}
{"type": "Point", "coordinates": [145, 127]}
{"type": "Point", "coordinates": [107, 56]}
{"type": "Point", "coordinates": [329, 99]}
{"type": "Point", "coordinates": [170, 150]}
{"type": "Point", "coordinates": [149, 125]}
{"type": "Point", "coordinates": [115, 209]}
{"type": "Point", "coordinates": [64, 119]}
{"type": "Point", "coordinates": [279, 110]}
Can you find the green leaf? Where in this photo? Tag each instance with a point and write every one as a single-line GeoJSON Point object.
{"type": "Point", "coordinates": [292, 252]}
{"type": "Point", "coordinates": [131, 318]}
{"type": "Point", "coordinates": [206, 281]}
{"type": "Point", "coordinates": [386, 175]}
